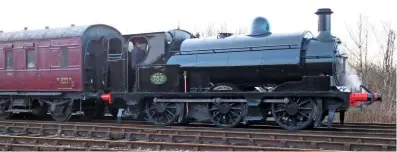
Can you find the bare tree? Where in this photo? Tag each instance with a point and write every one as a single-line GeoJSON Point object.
{"type": "Point", "coordinates": [380, 77]}
{"type": "Point", "coordinates": [223, 28]}
{"type": "Point", "coordinates": [212, 31]}
{"type": "Point", "coordinates": [242, 31]}
{"type": "Point", "coordinates": [387, 46]}
{"type": "Point", "coordinates": [359, 51]}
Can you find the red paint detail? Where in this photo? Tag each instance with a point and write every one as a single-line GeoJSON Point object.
{"type": "Point", "coordinates": [376, 96]}
{"type": "Point", "coordinates": [107, 98]}
{"type": "Point", "coordinates": [356, 98]}
{"type": "Point", "coordinates": [47, 69]}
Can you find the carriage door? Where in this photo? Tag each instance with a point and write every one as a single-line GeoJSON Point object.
{"type": "Point", "coordinates": [116, 70]}
{"type": "Point", "coordinates": [95, 63]}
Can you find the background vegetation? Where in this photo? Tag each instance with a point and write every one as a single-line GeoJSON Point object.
{"type": "Point", "coordinates": [372, 55]}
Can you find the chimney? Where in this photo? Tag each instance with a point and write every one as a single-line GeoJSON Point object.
{"type": "Point", "coordinates": [324, 23]}
{"type": "Point", "coordinates": [72, 25]}
{"type": "Point", "coordinates": [25, 28]}
{"type": "Point", "coordinates": [46, 27]}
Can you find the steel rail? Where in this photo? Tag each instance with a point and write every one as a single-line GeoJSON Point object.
{"type": "Point", "coordinates": [360, 132]}
{"type": "Point", "coordinates": [390, 133]}
{"type": "Point", "coordinates": [268, 123]}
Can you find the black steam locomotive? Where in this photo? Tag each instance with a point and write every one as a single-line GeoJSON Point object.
{"type": "Point", "coordinates": [234, 79]}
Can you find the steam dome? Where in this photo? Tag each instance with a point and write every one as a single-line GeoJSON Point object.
{"type": "Point", "coordinates": [260, 26]}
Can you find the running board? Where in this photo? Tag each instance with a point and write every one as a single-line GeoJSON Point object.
{"type": "Point", "coordinates": [199, 100]}
{"type": "Point", "coordinates": [218, 100]}
{"type": "Point", "coordinates": [29, 111]}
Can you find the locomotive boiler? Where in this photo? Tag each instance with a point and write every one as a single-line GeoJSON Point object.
{"type": "Point", "coordinates": [261, 58]}
{"type": "Point", "coordinates": [237, 79]}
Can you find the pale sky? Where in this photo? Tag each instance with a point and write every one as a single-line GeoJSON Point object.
{"type": "Point", "coordinates": [134, 16]}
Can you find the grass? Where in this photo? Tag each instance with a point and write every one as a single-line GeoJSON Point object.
{"type": "Point", "coordinates": [380, 112]}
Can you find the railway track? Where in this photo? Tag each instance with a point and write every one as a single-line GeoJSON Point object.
{"type": "Point", "coordinates": [271, 123]}
{"type": "Point", "coordinates": [61, 144]}
{"type": "Point", "coordinates": [350, 130]}
{"type": "Point", "coordinates": [309, 139]}
{"type": "Point", "coordinates": [380, 127]}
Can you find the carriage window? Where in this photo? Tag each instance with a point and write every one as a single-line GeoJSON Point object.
{"type": "Point", "coordinates": [64, 57]}
{"type": "Point", "coordinates": [9, 59]}
{"type": "Point", "coordinates": [30, 59]}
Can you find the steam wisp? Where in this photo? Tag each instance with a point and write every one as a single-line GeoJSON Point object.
{"type": "Point", "coordinates": [352, 79]}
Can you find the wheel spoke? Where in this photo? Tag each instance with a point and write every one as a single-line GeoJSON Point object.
{"type": "Point", "coordinates": [168, 111]}
{"type": "Point", "coordinates": [160, 118]}
{"type": "Point", "coordinates": [299, 118]}
{"type": "Point", "coordinates": [165, 118]}
{"type": "Point", "coordinates": [213, 109]}
{"type": "Point", "coordinates": [229, 115]}
{"type": "Point", "coordinates": [280, 110]}
{"type": "Point", "coordinates": [301, 113]}
{"type": "Point", "coordinates": [284, 114]}
{"type": "Point", "coordinates": [168, 116]}
{"type": "Point", "coordinates": [282, 105]}
{"type": "Point", "coordinates": [305, 108]}
{"type": "Point", "coordinates": [153, 114]}
{"type": "Point", "coordinates": [297, 100]}
{"type": "Point", "coordinates": [303, 103]}
{"type": "Point", "coordinates": [230, 119]}
{"type": "Point", "coordinates": [216, 113]}
{"type": "Point", "coordinates": [235, 114]}
{"type": "Point", "coordinates": [235, 108]}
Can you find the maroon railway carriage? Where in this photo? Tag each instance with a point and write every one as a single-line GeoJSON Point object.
{"type": "Point", "coordinates": [56, 70]}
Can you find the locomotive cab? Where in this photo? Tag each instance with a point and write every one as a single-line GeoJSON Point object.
{"type": "Point", "coordinates": [151, 49]}
{"type": "Point", "coordinates": [138, 48]}
{"type": "Point", "coordinates": [142, 51]}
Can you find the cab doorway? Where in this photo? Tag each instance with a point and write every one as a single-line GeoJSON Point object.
{"type": "Point", "coordinates": [138, 48]}
{"type": "Point", "coordinates": [115, 80]}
